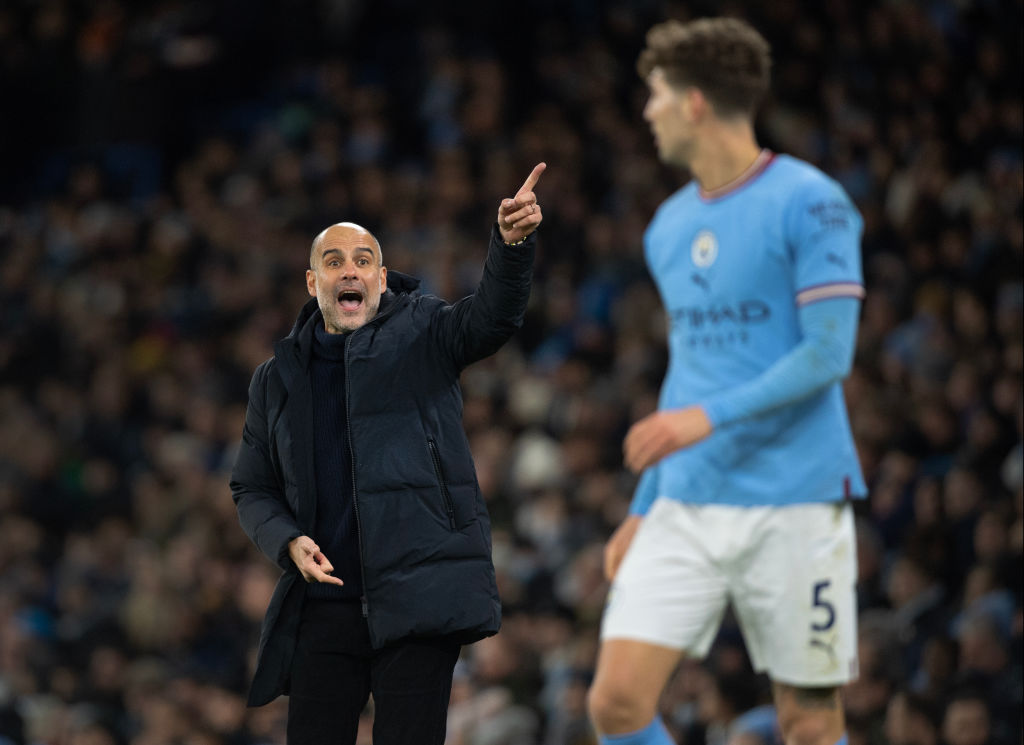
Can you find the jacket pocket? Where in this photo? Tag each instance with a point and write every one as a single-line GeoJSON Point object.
{"type": "Point", "coordinates": [435, 459]}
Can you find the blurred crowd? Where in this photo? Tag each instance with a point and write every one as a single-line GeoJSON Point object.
{"type": "Point", "coordinates": [167, 164]}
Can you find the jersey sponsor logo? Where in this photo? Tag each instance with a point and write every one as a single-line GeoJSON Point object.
{"type": "Point", "coordinates": [717, 341]}
{"type": "Point", "coordinates": [704, 249]}
{"type": "Point", "coordinates": [720, 326]}
{"type": "Point", "coordinates": [741, 314]}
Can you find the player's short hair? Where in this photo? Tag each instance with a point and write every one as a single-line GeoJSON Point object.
{"type": "Point", "coordinates": [726, 58]}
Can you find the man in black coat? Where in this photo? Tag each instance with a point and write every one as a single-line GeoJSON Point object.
{"type": "Point", "coordinates": [355, 475]}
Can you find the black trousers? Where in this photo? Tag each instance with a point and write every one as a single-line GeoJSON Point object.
{"type": "Point", "coordinates": [335, 670]}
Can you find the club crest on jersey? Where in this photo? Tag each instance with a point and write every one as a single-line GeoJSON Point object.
{"type": "Point", "coordinates": [704, 249]}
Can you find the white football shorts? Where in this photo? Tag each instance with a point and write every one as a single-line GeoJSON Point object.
{"type": "Point", "coordinates": [790, 572]}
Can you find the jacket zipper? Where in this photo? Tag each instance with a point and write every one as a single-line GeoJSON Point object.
{"type": "Point", "coordinates": [355, 491]}
{"type": "Point", "coordinates": [445, 495]}
{"type": "Point", "coordinates": [352, 452]}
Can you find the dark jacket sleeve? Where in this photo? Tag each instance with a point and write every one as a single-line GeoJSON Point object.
{"type": "Point", "coordinates": [478, 325]}
{"type": "Point", "coordinates": [255, 486]}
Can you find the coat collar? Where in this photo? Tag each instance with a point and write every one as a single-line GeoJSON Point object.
{"type": "Point", "coordinates": [294, 351]}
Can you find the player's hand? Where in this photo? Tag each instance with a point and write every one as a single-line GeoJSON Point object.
{"type": "Point", "coordinates": [313, 565]}
{"type": "Point", "coordinates": [618, 544]}
{"type": "Point", "coordinates": [520, 215]}
{"type": "Point", "coordinates": [664, 432]}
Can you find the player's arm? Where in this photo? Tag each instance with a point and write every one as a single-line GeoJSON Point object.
{"type": "Point", "coordinates": [824, 230]}
{"type": "Point", "coordinates": [823, 357]}
{"type": "Point", "coordinates": [478, 325]}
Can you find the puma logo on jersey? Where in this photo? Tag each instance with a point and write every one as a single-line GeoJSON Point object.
{"type": "Point", "coordinates": [836, 259]}
{"type": "Point", "coordinates": [701, 282]}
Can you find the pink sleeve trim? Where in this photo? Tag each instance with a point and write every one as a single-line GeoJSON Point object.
{"type": "Point", "coordinates": [829, 291]}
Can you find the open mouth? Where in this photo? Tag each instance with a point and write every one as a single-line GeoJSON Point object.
{"type": "Point", "coordinates": [350, 300]}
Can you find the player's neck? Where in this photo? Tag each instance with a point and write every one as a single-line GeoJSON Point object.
{"type": "Point", "coordinates": [724, 155]}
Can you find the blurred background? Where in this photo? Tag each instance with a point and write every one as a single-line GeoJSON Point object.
{"type": "Point", "coordinates": [164, 166]}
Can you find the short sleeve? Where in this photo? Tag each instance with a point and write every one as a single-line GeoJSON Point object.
{"type": "Point", "coordinates": [823, 232]}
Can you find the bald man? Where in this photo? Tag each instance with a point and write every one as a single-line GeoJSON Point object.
{"type": "Point", "coordinates": [355, 477]}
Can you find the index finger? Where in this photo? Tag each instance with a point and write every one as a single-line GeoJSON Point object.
{"type": "Point", "coordinates": [322, 576]}
{"type": "Point", "coordinates": [531, 180]}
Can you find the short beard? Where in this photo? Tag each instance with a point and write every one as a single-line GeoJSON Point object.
{"type": "Point", "coordinates": [338, 326]}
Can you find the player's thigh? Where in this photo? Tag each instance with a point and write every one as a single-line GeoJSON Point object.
{"type": "Point", "coordinates": [632, 673]}
{"type": "Point", "coordinates": [795, 595]}
{"type": "Point", "coordinates": [669, 590]}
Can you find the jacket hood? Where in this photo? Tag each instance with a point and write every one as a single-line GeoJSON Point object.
{"type": "Point", "coordinates": [398, 284]}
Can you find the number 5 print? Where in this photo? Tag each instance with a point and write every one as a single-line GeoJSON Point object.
{"type": "Point", "coordinates": [820, 602]}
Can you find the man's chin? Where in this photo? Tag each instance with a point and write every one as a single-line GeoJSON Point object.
{"type": "Point", "coordinates": [342, 323]}
{"type": "Point", "coordinates": [337, 325]}
{"type": "Point", "coordinates": [338, 321]}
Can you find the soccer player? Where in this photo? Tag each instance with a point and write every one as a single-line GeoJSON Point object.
{"type": "Point", "coordinates": [748, 465]}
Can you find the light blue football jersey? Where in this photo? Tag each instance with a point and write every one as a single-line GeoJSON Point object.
{"type": "Point", "coordinates": [733, 268]}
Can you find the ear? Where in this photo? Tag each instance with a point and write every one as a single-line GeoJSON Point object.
{"type": "Point", "coordinates": [383, 278]}
{"type": "Point", "coordinates": [311, 282]}
{"type": "Point", "coordinates": [697, 103]}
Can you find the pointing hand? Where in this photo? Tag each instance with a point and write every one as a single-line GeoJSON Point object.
{"type": "Point", "coordinates": [520, 215]}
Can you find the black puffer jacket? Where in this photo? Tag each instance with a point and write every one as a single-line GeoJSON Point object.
{"type": "Point", "coordinates": [424, 529]}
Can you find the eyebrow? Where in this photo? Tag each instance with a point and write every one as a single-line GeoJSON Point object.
{"type": "Point", "coordinates": [367, 249]}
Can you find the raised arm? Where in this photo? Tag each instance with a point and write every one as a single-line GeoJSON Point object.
{"type": "Point", "coordinates": [478, 325]}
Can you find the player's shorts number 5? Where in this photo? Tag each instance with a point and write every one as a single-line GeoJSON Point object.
{"type": "Point", "coordinates": [825, 605]}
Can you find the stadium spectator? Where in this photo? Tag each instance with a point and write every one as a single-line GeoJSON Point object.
{"type": "Point", "coordinates": [910, 720]}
